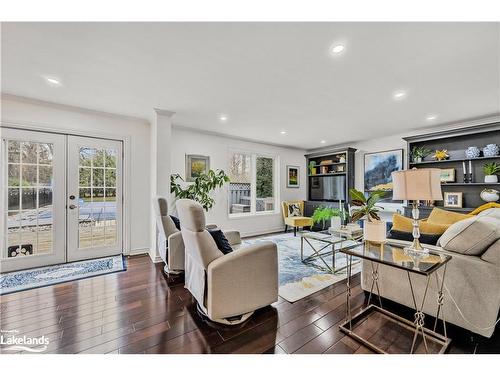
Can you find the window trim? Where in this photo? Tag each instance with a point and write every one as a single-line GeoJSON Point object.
{"type": "Point", "coordinates": [253, 185]}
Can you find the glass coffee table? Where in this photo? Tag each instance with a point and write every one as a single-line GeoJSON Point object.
{"type": "Point", "coordinates": [325, 244]}
{"type": "Point", "coordinates": [414, 337]}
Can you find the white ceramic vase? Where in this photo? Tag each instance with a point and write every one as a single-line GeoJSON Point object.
{"type": "Point", "coordinates": [491, 179]}
{"type": "Point", "coordinates": [335, 222]}
{"type": "Point", "coordinates": [374, 231]}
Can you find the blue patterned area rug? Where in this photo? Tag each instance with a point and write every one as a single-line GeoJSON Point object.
{"type": "Point", "coordinates": [61, 273]}
{"type": "Point", "coordinates": [296, 279]}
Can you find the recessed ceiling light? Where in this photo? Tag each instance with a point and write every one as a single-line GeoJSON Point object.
{"type": "Point", "coordinates": [223, 117]}
{"type": "Point", "coordinates": [283, 132]}
{"type": "Point", "coordinates": [338, 48]}
{"type": "Point", "coordinates": [431, 117]}
{"type": "Point", "coordinates": [400, 94]}
{"type": "Point", "coordinates": [52, 81]}
{"type": "Point", "coordinates": [322, 141]}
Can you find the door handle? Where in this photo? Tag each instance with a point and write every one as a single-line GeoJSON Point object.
{"type": "Point", "coordinates": [72, 206]}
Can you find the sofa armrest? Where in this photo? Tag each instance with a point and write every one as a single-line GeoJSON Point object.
{"type": "Point", "coordinates": [233, 236]}
{"type": "Point", "coordinates": [175, 257]}
{"type": "Point", "coordinates": [243, 281]}
{"type": "Point", "coordinates": [492, 254]}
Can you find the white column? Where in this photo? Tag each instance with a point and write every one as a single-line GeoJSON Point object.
{"type": "Point", "coordinates": [161, 165]}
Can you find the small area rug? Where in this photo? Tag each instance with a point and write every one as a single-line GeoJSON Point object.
{"type": "Point", "coordinates": [37, 277]}
{"type": "Point", "coordinates": [296, 279]}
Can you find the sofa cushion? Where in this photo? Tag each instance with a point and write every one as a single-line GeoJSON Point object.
{"type": "Point", "coordinates": [485, 206]}
{"type": "Point", "coordinates": [429, 239]}
{"type": "Point", "coordinates": [471, 236]}
{"type": "Point", "coordinates": [440, 216]}
{"type": "Point", "coordinates": [405, 224]}
{"type": "Point", "coordinates": [220, 240]}
{"type": "Point", "coordinates": [492, 254]}
{"type": "Point", "coordinates": [492, 212]}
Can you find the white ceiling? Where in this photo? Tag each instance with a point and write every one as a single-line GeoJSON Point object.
{"type": "Point", "coordinates": [267, 77]}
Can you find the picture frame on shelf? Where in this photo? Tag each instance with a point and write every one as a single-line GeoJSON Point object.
{"type": "Point", "coordinates": [447, 175]}
{"type": "Point", "coordinates": [453, 199]}
{"type": "Point", "coordinates": [196, 165]}
{"type": "Point", "coordinates": [292, 176]}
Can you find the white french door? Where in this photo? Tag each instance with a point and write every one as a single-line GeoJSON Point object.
{"type": "Point", "coordinates": [94, 198]}
{"type": "Point", "coordinates": [61, 198]}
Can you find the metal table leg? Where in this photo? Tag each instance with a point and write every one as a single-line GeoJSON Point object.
{"type": "Point", "coordinates": [419, 314]}
{"type": "Point", "coordinates": [440, 302]}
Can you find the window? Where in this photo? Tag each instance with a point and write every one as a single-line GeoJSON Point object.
{"type": "Point", "coordinates": [253, 183]}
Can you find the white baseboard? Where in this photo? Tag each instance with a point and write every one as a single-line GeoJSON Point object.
{"type": "Point", "coordinates": [155, 259]}
{"type": "Point", "coordinates": [260, 233]}
{"type": "Point", "coordinates": [139, 251]}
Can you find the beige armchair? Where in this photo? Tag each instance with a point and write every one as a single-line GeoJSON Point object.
{"type": "Point", "coordinates": [228, 288]}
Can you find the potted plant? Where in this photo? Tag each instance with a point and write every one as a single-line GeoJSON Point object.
{"type": "Point", "coordinates": [490, 172]}
{"type": "Point", "coordinates": [200, 189]}
{"type": "Point", "coordinates": [418, 153]}
{"type": "Point", "coordinates": [312, 167]}
{"type": "Point", "coordinates": [374, 229]}
{"type": "Point", "coordinates": [323, 214]}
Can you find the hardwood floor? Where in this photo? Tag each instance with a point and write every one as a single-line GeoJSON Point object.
{"type": "Point", "coordinates": [143, 311]}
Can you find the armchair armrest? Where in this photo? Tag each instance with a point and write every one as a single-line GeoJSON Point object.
{"type": "Point", "coordinates": [243, 281]}
{"type": "Point", "coordinates": [175, 252]}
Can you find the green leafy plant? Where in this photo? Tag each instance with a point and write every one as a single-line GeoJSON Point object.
{"type": "Point", "coordinates": [201, 188]}
{"type": "Point", "coordinates": [419, 152]}
{"type": "Point", "coordinates": [312, 165]}
{"type": "Point", "coordinates": [491, 169]}
{"type": "Point", "coordinates": [367, 206]}
{"type": "Point", "coordinates": [323, 214]}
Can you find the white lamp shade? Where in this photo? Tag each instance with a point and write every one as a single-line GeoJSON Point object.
{"type": "Point", "coordinates": [417, 184]}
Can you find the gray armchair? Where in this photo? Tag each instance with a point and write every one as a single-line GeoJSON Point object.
{"type": "Point", "coordinates": [228, 288]}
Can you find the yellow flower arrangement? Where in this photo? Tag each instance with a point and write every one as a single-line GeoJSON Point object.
{"type": "Point", "coordinates": [441, 155]}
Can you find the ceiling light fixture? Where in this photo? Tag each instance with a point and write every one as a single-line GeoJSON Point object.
{"type": "Point", "coordinates": [223, 117]}
{"type": "Point", "coordinates": [322, 141]}
{"type": "Point", "coordinates": [338, 48]}
{"type": "Point", "coordinates": [431, 117]}
{"type": "Point", "coordinates": [52, 81]}
{"type": "Point", "coordinates": [399, 95]}
{"type": "Point", "coordinates": [283, 132]}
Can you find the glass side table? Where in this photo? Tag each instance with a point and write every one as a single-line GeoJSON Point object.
{"type": "Point", "coordinates": [328, 243]}
{"type": "Point", "coordinates": [393, 255]}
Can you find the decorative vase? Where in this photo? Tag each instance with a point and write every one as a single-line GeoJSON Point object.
{"type": "Point", "coordinates": [491, 179]}
{"type": "Point", "coordinates": [335, 222]}
{"type": "Point", "coordinates": [490, 195]}
{"type": "Point", "coordinates": [490, 150]}
{"type": "Point", "coordinates": [417, 160]}
{"type": "Point", "coordinates": [374, 231]}
{"type": "Point", "coordinates": [472, 152]}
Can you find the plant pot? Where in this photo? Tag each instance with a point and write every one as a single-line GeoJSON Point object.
{"type": "Point", "coordinates": [335, 222]}
{"type": "Point", "coordinates": [417, 160]}
{"type": "Point", "coordinates": [491, 179]}
{"type": "Point", "coordinates": [490, 195]}
{"type": "Point", "coordinates": [374, 231]}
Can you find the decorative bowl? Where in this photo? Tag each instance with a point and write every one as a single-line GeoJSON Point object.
{"type": "Point", "coordinates": [490, 195]}
{"type": "Point", "coordinates": [491, 150]}
{"type": "Point", "coordinates": [472, 152]}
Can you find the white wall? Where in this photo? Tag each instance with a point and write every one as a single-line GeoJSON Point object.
{"type": "Point", "coordinates": [186, 141]}
{"type": "Point", "coordinates": [26, 113]}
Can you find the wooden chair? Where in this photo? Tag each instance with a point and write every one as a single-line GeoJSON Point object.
{"type": "Point", "coordinates": [295, 221]}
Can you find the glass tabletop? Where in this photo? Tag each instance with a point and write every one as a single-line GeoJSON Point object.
{"type": "Point", "coordinates": [332, 238]}
{"type": "Point", "coordinates": [394, 255]}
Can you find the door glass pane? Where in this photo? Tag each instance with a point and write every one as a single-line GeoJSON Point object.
{"type": "Point", "coordinates": [240, 187]}
{"type": "Point", "coordinates": [97, 200]}
{"type": "Point", "coordinates": [265, 184]}
{"type": "Point", "coordinates": [29, 198]}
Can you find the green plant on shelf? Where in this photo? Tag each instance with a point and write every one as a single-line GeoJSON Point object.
{"type": "Point", "coordinates": [491, 169]}
{"type": "Point", "coordinates": [312, 167]}
{"type": "Point", "coordinates": [418, 153]}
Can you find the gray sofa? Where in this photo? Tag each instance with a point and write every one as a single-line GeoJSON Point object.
{"type": "Point", "coordinates": [472, 276]}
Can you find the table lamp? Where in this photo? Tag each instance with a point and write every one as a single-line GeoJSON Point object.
{"type": "Point", "coordinates": [415, 185]}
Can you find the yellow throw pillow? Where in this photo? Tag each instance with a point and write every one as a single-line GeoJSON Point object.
{"type": "Point", "coordinates": [439, 216]}
{"type": "Point", "coordinates": [405, 224]}
{"type": "Point", "coordinates": [484, 207]}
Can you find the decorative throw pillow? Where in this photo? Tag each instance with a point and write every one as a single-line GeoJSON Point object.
{"type": "Point", "coordinates": [176, 221]}
{"type": "Point", "coordinates": [221, 241]}
{"type": "Point", "coordinates": [405, 224]}
{"type": "Point", "coordinates": [485, 206]}
{"type": "Point", "coordinates": [429, 239]}
{"type": "Point", "coordinates": [294, 210]}
{"type": "Point", "coordinates": [471, 236]}
{"type": "Point", "coordinates": [440, 216]}
{"type": "Point", "coordinates": [492, 212]}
